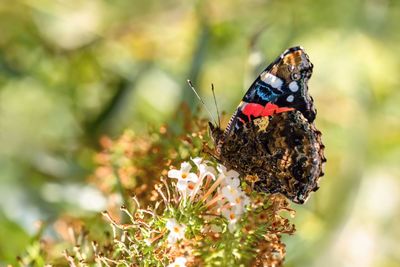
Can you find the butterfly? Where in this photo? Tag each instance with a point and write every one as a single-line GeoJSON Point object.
{"type": "Point", "coordinates": [272, 135]}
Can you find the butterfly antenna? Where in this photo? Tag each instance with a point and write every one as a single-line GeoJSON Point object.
{"type": "Point", "coordinates": [216, 105]}
{"type": "Point", "coordinates": [201, 100]}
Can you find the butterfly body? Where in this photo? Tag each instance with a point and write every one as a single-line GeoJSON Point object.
{"type": "Point", "coordinates": [272, 134]}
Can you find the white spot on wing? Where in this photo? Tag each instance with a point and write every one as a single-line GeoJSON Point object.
{"type": "Point", "coordinates": [271, 80]}
{"type": "Point", "coordinates": [290, 98]}
{"type": "Point", "coordinates": [293, 86]}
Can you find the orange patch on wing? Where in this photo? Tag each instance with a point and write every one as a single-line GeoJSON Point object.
{"type": "Point", "coordinates": [293, 58]}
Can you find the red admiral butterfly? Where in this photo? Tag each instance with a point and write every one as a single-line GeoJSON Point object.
{"type": "Point", "coordinates": [272, 135]}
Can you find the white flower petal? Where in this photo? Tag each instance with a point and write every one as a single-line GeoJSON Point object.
{"type": "Point", "coordinates": [174, 174]}
{"type": "Point", "coordinates": [232, 174]}
{"type": "Point", "coordinates": [197, 161]}
{"type": "Point", "coordinates": [246, 200]}
{"type": "Point", "coordinates": [235, 182]}
{"type": "Point", "coordinates": [181, 233]}
{"type": "Point", "coordinates": [221, 168]}
{"type": "Point", "coordinates": [185, 166]}
{"type": "Point", "coordinates": [238, 210]}
{"type": "Point", "coordinates": [202, 168]}
{"type": "Point", "coordinates": [226, 213]}
{"type": "Point", "coordinates": [230, 193]}
{"type": "Point", "coordinates": [179, 262]}
{"type": "Point", "coordinates": [170, 224]}
{"type": "Point", "coordinates": [177, 231]}
{"type": "Point", "coordinates": [225, 191]}
{"type": "Point", "coordinates": [192, 177]}
{"type": "Point", "coordinates": [172, 238]}
{"type": "Point", "coordinates": [181, 185]}
{"type": "Point", "coordinates": [206, 170]}
{"type": "Point", "coordinates": [230, 214]}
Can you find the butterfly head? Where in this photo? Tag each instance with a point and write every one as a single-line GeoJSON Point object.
{"type": "Point", "coordinates": [216, 135]}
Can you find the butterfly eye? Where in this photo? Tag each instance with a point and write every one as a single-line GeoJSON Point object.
{"type": "Point", "coordinates": [295, 76]}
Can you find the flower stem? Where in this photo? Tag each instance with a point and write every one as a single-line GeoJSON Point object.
{"type": "Point", "coordinates": [214, 200]}
{"type": "Point", "coordinates": [212, 188]}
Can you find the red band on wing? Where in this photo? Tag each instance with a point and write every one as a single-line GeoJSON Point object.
{"type": "Point", "coordinates": [252, 109]}
{"type": "Point", "coordinates": [271, 109]}
{"type": "Point", "coordinates": [258, 110]}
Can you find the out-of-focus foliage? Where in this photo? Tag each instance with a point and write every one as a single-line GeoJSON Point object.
{"type": "Point", "coordinates": [71, 71]}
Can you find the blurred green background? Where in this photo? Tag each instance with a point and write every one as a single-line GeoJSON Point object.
{"type": "Point", "coordinates": [71, 71]}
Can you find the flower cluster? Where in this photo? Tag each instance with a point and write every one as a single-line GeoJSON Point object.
{"type": "Point", "coordinates": [223, 195]}
{"type": "Point", "coordinates": [202, 217]}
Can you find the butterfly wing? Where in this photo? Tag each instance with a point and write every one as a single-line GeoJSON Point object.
{"type": "Point", "coordinates": [286, 155]}
{"type": "Point", "coordinates": [281, 87]}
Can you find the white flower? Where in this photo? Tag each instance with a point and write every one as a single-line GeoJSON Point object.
{"type": "Point", "coordinates": [232, 214]}
{"type": "Point", "coordinates": [241, 200]}
{"type": "Point", "coordinates": [237, 202]}
{"type": "Point", "coordinates": [231, 176]}
{"type": "Point", "coordinates": [204, 169]}
{"type": "Point", "coordinates": [245, 200]}
{"type": "Point", "coordinates": [231, 193]}
{"type": "Point", "coordinates": [179, 262]}
{"type": "Point", "coordinates": [177, 231]}
{"type": "Point", "coordinates": [184, 173]}
{"type": "Point", "coordinates": [232, 181]}
{"type": "Point", "coordinates": [187, 188]}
